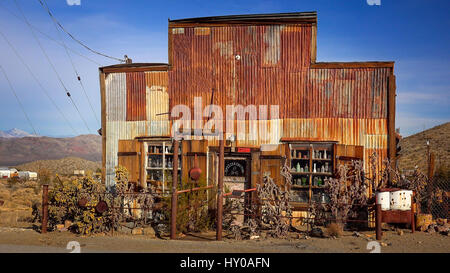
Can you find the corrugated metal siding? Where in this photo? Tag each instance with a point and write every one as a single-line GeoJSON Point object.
{"type": "Point", "coordinates": [244, 64]}
{"type": "Point", "coordinates": [272, 68]}
{"type": "Point", "coordinates": [157, 103]}
{"type": "Point", "coordinates": [136, 96]}
{"type": "Point", "coordinates": [116, 96]}
{"type": "Point", "coordinates": [132, 101]}
{"type": "Point", "coordinates": [270, 65]}
{"type": "Point", "coordinates": [347, 93]}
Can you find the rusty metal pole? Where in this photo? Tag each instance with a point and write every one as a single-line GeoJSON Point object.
{"type": "Point", "coordinates": [378, 221]}
{"type": "Point", "coordinates": [44, 208]}
{"type": "Point", "coordinates": [430, 179]}
{"type": "Point", "coordinates": [173, 215]}
{"type": "Point", "coordinates": [220, 191]}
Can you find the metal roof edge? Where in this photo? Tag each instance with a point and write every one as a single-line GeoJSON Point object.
{"type": "Point", "coordinates": [134, 67]}
{"type": "Point", "coordinates": [310, 17]}
{"type": "Point", "coordinates": [363, 64]}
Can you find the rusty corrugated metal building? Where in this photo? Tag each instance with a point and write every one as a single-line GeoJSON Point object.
{"type": "Point", "coordinates": [327, 111]}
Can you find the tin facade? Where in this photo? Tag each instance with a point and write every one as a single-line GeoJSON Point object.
{"type": "Point", "coordinates": [133, 102]}
{"type": "Point", "coordinates": [254, 63]}
{"type": "Point", "coordinates": [253, 60]}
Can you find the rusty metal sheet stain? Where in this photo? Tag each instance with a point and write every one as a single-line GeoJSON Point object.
{"type": "Point", "coordinates": [136, 96]}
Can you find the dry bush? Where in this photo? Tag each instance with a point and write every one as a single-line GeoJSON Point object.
{"type": "Point", "coordinates": [24, 197]}
{"type": "Point", "coordinates": [347, 192]}
{"type": "Point", "coordinates": [192, 209]}
{"type": "Point", "coordinates": [335, 229]}
{"type": "Point", "coordinates": [63, 204]}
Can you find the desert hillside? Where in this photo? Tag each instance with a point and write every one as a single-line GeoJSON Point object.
{"type": "Point", "coordinates": [61, 166]}
{"type": "Point", "coordinates": [15, 151]}
{"type": "Point", "coordinates": [414, 149]}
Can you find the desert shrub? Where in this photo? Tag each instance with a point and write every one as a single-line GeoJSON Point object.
{"type": "Point", "coordinates": [192, 208]}
{"type": "Point", "coordinates": [63, 204]}
{"type": "Point", "coordinates": [347, 192]}
{"type": "Point", "coordinates": [44, 176]}
{"type": "Point", "coordinates": [13, 182]}
{"type": "Point", "coordinates": [24, 197]}
{"type": "Point", "coordinates": [30, 184]}
{"type": "Point", "coordinates": [5, 194]}
{"type": "Point", "coordinates": [334, 229]}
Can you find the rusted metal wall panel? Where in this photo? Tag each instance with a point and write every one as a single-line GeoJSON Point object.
{"type": "Point", "coordinates": [157, 98]}
{"type": "Point", "coordinates": [296, 47]}
{"type": "Point", "coordinates": [136, 96]}
{"type": "Point", "coordinates": [270, 65]}
{"type": "Point", "coordinates": [348, 93]}
{"type": "Point", "coordinates": [244, 64]}
{"type": "Point", "coordinates": [263, 65]}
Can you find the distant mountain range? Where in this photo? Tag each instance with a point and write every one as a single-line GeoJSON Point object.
{"type": "Point", "coordinates": [15, 133]}
{"type": "Point", "coordinates": [61, 166]}
{"type": "Point", "coordinates": [16, 149]}
{"type": "Point", "coordinates": [414, 148]}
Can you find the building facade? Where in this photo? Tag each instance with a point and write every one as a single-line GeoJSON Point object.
{"type": "Point", "coordinates": [325, 112]}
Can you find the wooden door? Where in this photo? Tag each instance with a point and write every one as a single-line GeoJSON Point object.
{"type": "Point", "coordinates": [130, 157]}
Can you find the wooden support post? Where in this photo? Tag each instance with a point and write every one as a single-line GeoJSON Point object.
{"type": "Point", "coordinates": [44, 208]}
{"type": "Point", "coordinates": [220, 190]}
{"type": "Point", "coordinates": [378, 221]}
{"type": "Point", "coordinates": [173, 215]}
{"type": "Point", "coordinates": [413, 222]}
{"type": "Point", "coordinates": [392, 145]}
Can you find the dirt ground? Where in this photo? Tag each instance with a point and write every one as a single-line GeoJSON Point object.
{"type": "Point", "coordinates": [28, 240]}
{"type": "Point", "coordinates": [16, 235]}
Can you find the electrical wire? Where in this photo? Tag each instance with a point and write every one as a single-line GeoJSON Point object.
{"type": "Point", "coordinates": [52, 65]}
{"type": "Point", "coordinates": [75, 39]}
{"type": "Point", "coordinates": [37, 81]}
{"type": "Point", "coordinates": [18, 100]}
{"type": "Point", "coordinates": [75, 69]}
{"type": "Point", "coordinates": [51, 38]}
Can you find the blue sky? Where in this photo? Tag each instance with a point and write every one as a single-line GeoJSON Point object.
{"type": "Point", "coordinates": [414, 34]}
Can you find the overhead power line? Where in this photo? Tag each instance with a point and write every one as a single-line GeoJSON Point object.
{"type": "Point", "coordinates": [38, 82]}
{"type": "Point", "coordinates": [75, 39]}
{"type": "Point", "coordinates": [75, 69]}
{"type": "Point", "coordinates": [52, 66]}
{"type": "Point", "coordinates": [50, 37]}
{"type": "Point", "coordinates": [18, 100]}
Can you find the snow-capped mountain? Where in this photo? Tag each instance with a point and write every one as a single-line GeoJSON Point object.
{"type": "Point", "coordinates": [15, 133]}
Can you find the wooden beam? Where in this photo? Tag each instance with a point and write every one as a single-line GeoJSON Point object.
{"type": "Point", "coordinates": [103, 118]}
{"type": "Point", "coordinates": [352, 64]}
{"type": "Point", "coordinates": [391, 120]}
{"type": "Point", "coordinates": [241, 23]}
{"type": "Point", "coordinates": [119, 69]}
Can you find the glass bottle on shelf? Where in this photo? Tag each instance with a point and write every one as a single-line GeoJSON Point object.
{"type": "Point", "coordinates": [303, 181]}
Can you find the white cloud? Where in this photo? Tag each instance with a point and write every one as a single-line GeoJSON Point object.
{"type": "Point", "coordinates": [73, 2]}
